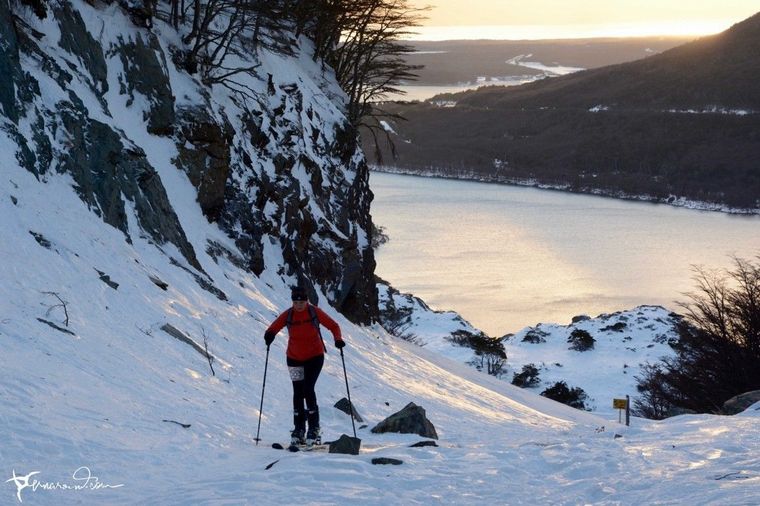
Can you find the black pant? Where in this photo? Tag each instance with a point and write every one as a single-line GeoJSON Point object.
{"type": "Point", "coordinates": [304, 374]}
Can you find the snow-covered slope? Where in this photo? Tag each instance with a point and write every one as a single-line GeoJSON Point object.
{"type": "Point", "coordinates": [410, 318]}
{"type": "Point", "coordinates": [105, 396]}
{"type": "Point", "coordinates": [623, 342]}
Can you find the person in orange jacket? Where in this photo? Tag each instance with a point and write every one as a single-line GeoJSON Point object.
{"type": "Point", "coordinates": [305, 357]}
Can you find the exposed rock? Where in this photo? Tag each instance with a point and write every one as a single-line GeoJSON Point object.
{"type": "Point", "coordinates": [423, 444]}
{"type": "Point", "coordinates": [108, 169]}
{"type": "Point", "coordinates": [410, 420]}
{"type": "Point", "coordinates": [275, 170]}
{"type": "Point", "coordinates": [216, 250]}
{"type": "Point", "coordinates": [204, 154]}
{"type": "Point", "coordinates": [157, 281]}
{"type": "Point", "coordinates": [741, 402]}
{"type": "Point", "coordinates": [347, 408]}
{"type": "Point", "coordinates": [10, 70]}
{"type": "Point", "coordinates": [204, 282]}
{"type": "Point", "coordinates": [139, 11]}
{"type": "Point", "coordinates": [56, 327]}
{"type": "Point", "coordinates": [41, 240]}
{"type": "Point", "coordinates": [346, 444]}
{"type": "Point", "coordinates": [386, 461]}
{"type": "Point", "coordinates": [180, 336]}
{"type": "Point", "coordinates": [76, 39]}
{"type": "Point", "coordinates": [105, 278]}
{"type": "Point", "coordinates": [145, 73]}
{"type": "Point", "coordinates": [314, 202]}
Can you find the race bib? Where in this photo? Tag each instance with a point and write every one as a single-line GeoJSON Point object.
{"type": "Point", "coordinates": [296, 373]}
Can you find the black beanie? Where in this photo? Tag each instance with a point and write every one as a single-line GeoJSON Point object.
{"type": "Point", "coordinates": [298, 294]}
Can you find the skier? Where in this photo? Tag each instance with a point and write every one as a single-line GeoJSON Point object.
{"type": "Point", "coordinates": [305, 357]}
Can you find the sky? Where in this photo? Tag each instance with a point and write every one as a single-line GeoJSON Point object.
{"type": "Point", "coordinates": [539, 19]}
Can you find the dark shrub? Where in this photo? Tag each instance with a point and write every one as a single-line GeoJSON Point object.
{"type": "Point", "coordinates": [489, 352]}
{"type": "Point", "coordinates": [527, 378]}
{"type": "Point", "coordinates": [535, 336]}
{"type": "Point", "coordinates": [581, 340]}
{"type": "Point", "coordinates": [574, 397]}
{"type": "Point", "coordinates": [618, 327]}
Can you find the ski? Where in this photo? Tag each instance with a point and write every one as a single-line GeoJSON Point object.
{"type": "Point", "coordinates": [301, 448]}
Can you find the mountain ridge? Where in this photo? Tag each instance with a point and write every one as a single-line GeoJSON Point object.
{"type": "Point", "coordinates": [678, 125]}
{"type": "Point", "coordinates": [710, 61]}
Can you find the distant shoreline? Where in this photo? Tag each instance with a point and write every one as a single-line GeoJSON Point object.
{"type": "Point", "coordinates": [672, 200]}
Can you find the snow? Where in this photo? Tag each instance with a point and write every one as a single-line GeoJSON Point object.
{"type": "Point", "coordinates": [624, 342]}
{"type": "Point", "coordinates": [99, 399]}
{"type": "Point", "coordinates": [96, 411]}
{"type": "Point", "coordinates": [387, 127]}
{"type": "Point", "coordinates": [559, 70]}
{"type": "Point", "coordinates": [714, 109]}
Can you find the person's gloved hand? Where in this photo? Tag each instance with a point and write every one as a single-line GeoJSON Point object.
{"type": "Point", "coordinates": [268, 338]}
{"type": "Point", "coordinates": [340, 343]}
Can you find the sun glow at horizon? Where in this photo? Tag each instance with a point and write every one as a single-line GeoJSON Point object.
{"type": "Point", "coordinates": [574, 19]}
{"type": "Point", "coordinates": [693, 28]}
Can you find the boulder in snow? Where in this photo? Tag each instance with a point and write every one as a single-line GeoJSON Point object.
{"type": "Point", "coordinates": [410, 420]}
{"type": "Point", "coordinates": [382, 461]}
{"type": "Point", "coordinates": [346, 444]}
{"type": "Point", "coordinates": [348, 408]}
{"type": "Point", "coordinates": [740, 402]}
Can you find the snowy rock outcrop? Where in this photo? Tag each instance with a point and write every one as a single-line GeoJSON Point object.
{"type": "Point", "coordinates": [539, 357]}
{"type": "Point", "coordinates": [741, 402]}
{"type": "Point", "coordinates": [410, 420]}
{"type": "Point", "coordinates": [85, 93]}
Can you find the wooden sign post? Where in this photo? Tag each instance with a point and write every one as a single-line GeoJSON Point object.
{"type": "Point", "coordinates": [620, 405]}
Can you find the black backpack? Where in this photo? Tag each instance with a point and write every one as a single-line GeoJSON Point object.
{"type": "Point", "coordinates": [314, 321]}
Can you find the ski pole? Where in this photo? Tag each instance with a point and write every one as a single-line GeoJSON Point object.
{"type": "Point", "coordinates": [261, 407]}
{"type": "Point", "coordinates": [350, 404]}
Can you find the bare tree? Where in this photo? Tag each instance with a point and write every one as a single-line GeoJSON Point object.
{"type": "Point", "coordinates": [718, 352]}
{"type": "Point", "coordinates": [209, 356]}
{"type": "Point", "coordinates": [363, 40]}
{"type": "Point", "coordinates": [369, 57]}
{"type": "Point", "coordinates": [61, 304]}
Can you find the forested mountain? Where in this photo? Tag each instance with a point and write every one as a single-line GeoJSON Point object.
{"type": "Point", "coordinates": [681, 124]}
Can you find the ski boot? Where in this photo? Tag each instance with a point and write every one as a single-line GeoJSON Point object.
{"type": "Point", "coordinates": [297, 437]}
{"type": "Point", "coordinates": [313, 437]}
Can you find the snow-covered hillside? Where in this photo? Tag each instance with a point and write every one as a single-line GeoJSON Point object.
{"type": "Point", "coordinates": [104, 396]}
{"type": "Point", "coordinates": [623, 343]}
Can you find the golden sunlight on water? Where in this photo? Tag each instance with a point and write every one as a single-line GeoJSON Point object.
{"type": "Point", "coordinates": [507, 257]}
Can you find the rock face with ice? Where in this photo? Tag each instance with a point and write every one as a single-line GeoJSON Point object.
{"type": "Point", "coordinates": [274, 165]}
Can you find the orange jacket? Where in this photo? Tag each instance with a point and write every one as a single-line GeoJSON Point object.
{"type": "Point", "coordinates": [303, 339]}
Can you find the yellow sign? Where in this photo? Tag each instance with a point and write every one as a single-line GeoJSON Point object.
{"type": "Point", "coordinates": [619, 403]}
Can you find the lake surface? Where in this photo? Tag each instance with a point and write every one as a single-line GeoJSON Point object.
{"type": "Point", "coordinates": [505, 257]}
{"type": "Point", "coordinates": [425, 92]}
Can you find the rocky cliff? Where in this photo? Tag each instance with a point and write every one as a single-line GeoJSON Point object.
{"type": "Point", "coordinates": [88, 95]}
